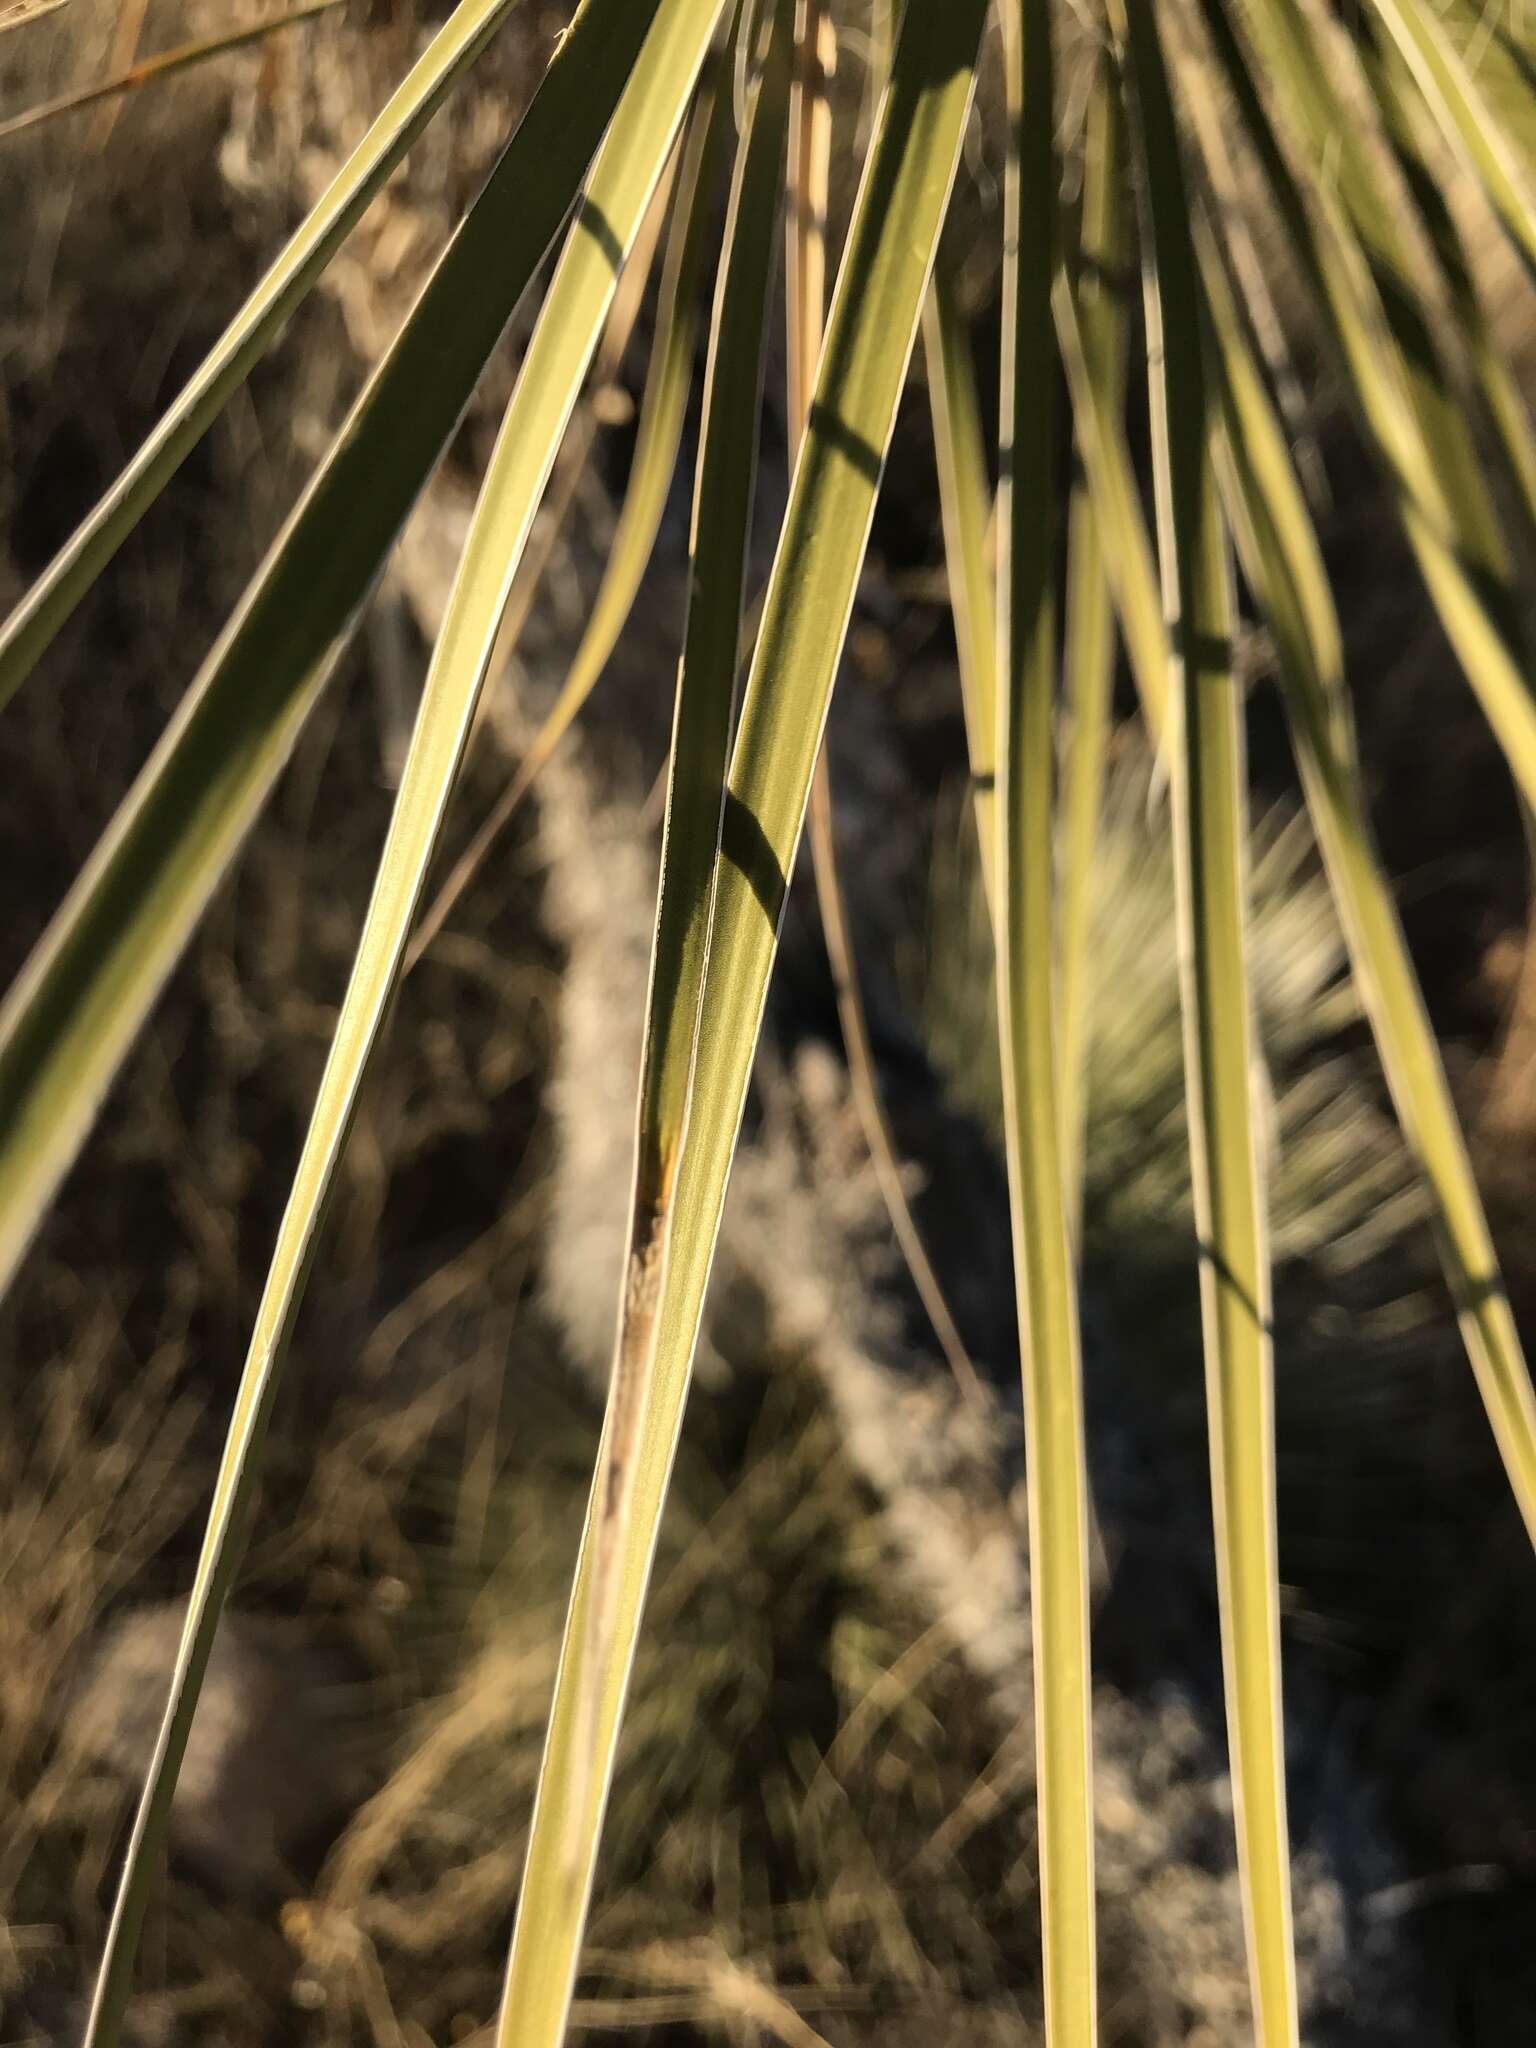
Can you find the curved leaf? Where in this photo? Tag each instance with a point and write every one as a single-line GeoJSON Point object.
{"type": "Point", "coordinates": [884, 274]}
{"type": "Point", "coordinates": [805, 265]}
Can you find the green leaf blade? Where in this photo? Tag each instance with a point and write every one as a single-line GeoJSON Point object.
{"type": "Point", "coordinates": [1089, 648]}
{"type": "Point", "coordinates": [1209, 803]}
{"type": "Point", "coordinates": [646, 1400]}
{"type": "Point", "coordinates": [663, 406]}
{"type": "Point", "coordinates": [873, 324]}
{"type": "Point", "coordinates": [965, 497]}
{"type": "Point", "coordinates": [1127, 548]}
{"type": "Point", "coordinates": [1044, 1268]}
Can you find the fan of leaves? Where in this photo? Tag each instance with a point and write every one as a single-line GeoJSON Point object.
{"type": "Point", "coordinates": [1244, 127]}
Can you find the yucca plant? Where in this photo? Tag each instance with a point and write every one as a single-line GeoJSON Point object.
{"type": "Point", "coordinates": [1235, 123]}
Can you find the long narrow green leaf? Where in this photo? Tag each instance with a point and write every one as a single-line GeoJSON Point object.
{"type": "Point", "coordinates": [1284, 566]}
{"type": "Point", "coordinates": [161, 65]}
{"type": "Point", "coordinates": [711, 663]}
{"type": "Point", "coordinates": [902, 200]}
{"type": "Point", "coordinates": [1470, 125]}
{"type": "Point", "coordinates": [1023, 919]}
{"type": "Point", "coordinates": [1362, 285]}
{"type": "Point", "coordinates": [603, 1618]}
{"type": "Point", "coordinates": [1089, 657]}
{"type": "Point", "coordinates": [563, 488]}
{"type": "Point", "coordinates": [1127, 549]}
{"type": "Point", "coordinates": [1209, 803]}
{"type": "Point", "coordinates": [663, 406]}
{"type": "Point", "coordinates": [70, 1018]}
{"type": "Point", "coordinates": [965, 500]}
{"type": "Point", "coordinates": [608, 215]}
{"type": "Point", "coordinates": [46, 606]}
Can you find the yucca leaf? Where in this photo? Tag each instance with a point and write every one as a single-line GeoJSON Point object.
{"type": "Point", "coordinates": [628, 1487]}
{"type": "Point", "coordinates": [1284, 567]}
{"type": "Point", "coordinates": [1024, 916]}
{"type": "Point", "coordinates": [78, 1004]}
{"type": "Point", "coordinates": [663, 406]}
{"type": "Point", "coordinates": [1346, 241]}
{"type": "Point", "coordinates": [707, 675]}
{"type": "Point", "coordinates": [1470, 125]}
{"type": "Point", "coordinates": [162, 64]}
{"type": "Point", "coordinates": [602, 400]}
{"type": "Point", "coordinates": [46, 606]}
{"type": "Point", "coordinates": [608, 214]}
{"type": "Point", "coordinates": [965, 506]}
{"type": "Point", "coordinates": [1209, 805]}
{"type": "Point", "coordinates": [1127, 549]}
{"type": "Point", "coordinates": [884, 273]}
{"type": "Point", "coordinates": [1089, 644]}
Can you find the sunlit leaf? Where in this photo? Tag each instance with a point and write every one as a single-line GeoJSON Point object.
{"type": "Point", "coordinates": [663, 406]}
{"type": "Point", "coordinates": [1024, 919]}
{"type": "Point", "coordinates": [1508, 413]}
{"type": "Point", "coordinates": [810, 158]}
{"type": "Point", "coordinates": [965, 505]}
{"type": "Point", "coordinates": [1126, 548]}
{"type": "Point", "coordinates": [881, 283]}
{"type": "Point", "coordinates": [1089, 640]}
{"type": "Point", "coordinates": [1207, 776]}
